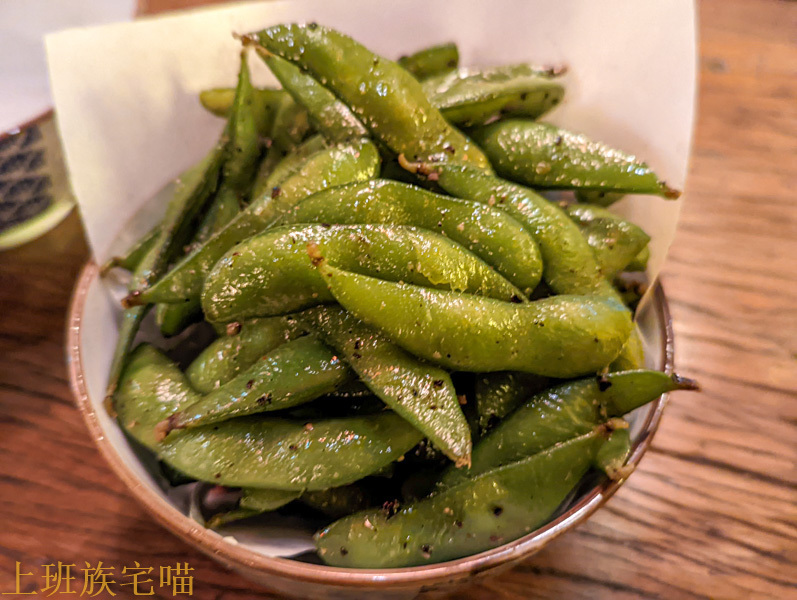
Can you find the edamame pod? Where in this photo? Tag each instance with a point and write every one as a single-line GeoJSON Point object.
{"type": "Point", "coordinates": [190, 193]}
{"type": "Point", "coordinates": [243, 151]}
{"type": "Point", "coordinates": [561, 336]}
{"type": "Point", "coordinates": [640, 262]}
{"type": "Point", "coordinates": [598, 197]}
{"type": "Point", "coordinates": [289, 165]}
{"type": "Point", "coordinates": [487, 232]}
{"type": "Point", "coordinates": [431, 61]}
{"type": "Point", "coordinates": [386, 98]}
{"type": "Point", "coordinates": [290, 127]}
{"type": "Point", "coordinates": [421, 393]}
{"type": "Point", "coordinates": [340, 501]}
{"type": "Point", "coordinates": [614, 240]}
{"type": "Point", "coordinates": [481, 513]}
{"type": "Point", "coordinates": [329, 167]}
{"type": "Point", "coordinates": [229, 355]}
{"type": "Point", "coordinates": [253, 502]}
{"type": "Point", "coordinates": [633, 355]}
{"type": "Point", "coordinates": [265, 104]}
{"type": "Point", "coordinates": [543, 155]}
{"type": "Point", "coordinates": [498, 394]}
{"type": "Point", "coordinates": [563, 412]}
{"type": "Point", "coordinates": [272, 274]}
{"type": "Point", "coordinates": [151, 388]}
{"type": "Point", "coordinates": [133, 255]}
{"type": "Point", "coordinates": [268, 452]}
{"type": "Point", "coordinates": [290, 375]}
{"type": "Point", "coordinates": [331, 117]}
{"type": "Point", "coordinates": [471, 97]}
{"type": "Point", "coordinates": [569, 266]}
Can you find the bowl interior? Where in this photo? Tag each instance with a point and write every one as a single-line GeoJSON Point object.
{"type": "Point", "coordinates": [94, 313]}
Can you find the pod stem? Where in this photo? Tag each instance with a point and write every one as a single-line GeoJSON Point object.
{"type": "Point", "coordinates": [684, 383]}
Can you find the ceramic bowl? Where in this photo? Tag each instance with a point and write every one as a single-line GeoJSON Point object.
{"type": "Point", "coordinates": [87, 336]}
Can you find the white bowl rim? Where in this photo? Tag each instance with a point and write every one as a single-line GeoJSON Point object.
{"type": "Point", "coordinates": [213, 544]}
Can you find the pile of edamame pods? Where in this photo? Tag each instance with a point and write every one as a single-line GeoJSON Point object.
{"type": "Point", "coordinates": [410, 339]}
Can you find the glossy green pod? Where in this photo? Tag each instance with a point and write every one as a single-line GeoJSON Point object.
{"type": "Point", "coordinates": [253, 502]}
{"type": "Point", "coordinates": [569, 266]}
{"type": "Point", "coordinates": [292, 374]}
{"type": "Point", "coordinates": [560, 336]}
{"type": "Point", "coordinates": [431, 61]}
{"type": "Point", "coordinates": [268, 452]}
{"type": "Point", "coordinates": [290, 127]}
{"type": "Point", "coordinates": [243, 146]}
{"type": "Point", "coordinates": [242, 154]}
{"type": "Point", "coordinates": [419, 392]}
{"type": "Point", "coordinates": [330, 116]}
{"type": "Point", "coordinates": [498, 394]}
{"type": "Point", "coordinates": [191, 191]}
{"type": "Point", "coordinates": [289, 164]}
{"type": "Point", "coordinates": [265, 104]}
{"type": "Point", "coordinates": [614, 241]}
{"type": "Point", "coordinates": [273, 273]}
{"type": "Point", "coordinates": [614, 453]}
{"type": "Point", "coordinates": [474, 96]}
{"type": "Point", "coordinates": [562, 412]}
{"type": "Point", "coordinates": [229, 355]}
{"type": "Point", "coordinates": [132, 256]}
{"type": "Point", "coordinates": [598, 197]}
{"type": "Point", "coordinates": [487, 232]}
{"type": "Point", "coordinates": [332, 166]}
{"type": "Point", "coordinates": [640, 261]}
{"type": "Point", "coordinates": [481, 513]}
{"type": "Point", "coordinates": [151, 388]}
{"type": "Point", "coordinates": [386, 98]}
{"type": "Point", "coordinates": [338, 502]}
{"type": "Point", "coordinates": [633, 355]}
{"type": "Point", "coordinates": [545, 156]}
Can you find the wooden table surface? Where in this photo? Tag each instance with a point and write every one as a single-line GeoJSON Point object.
{"type": "Point", "coordinates": [712, 510]}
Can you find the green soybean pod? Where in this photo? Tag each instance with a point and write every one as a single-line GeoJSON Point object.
{"type": "Point", "coordinates": [569, 266]}
{"type": "Point", "coordinates": [498, 394]}
{"type": "Point", "coordinates": [229, 355]}
{"type": "Point", "coordinates": [386, 98]}
{"type": "Point", "coordinates": [330, 117]}
{"type": "Point", "coordinates": [474, 96]}
{"type": "Point", "coordinates": [431, 61]}
{"type": "Point", "coordinates": [132, 256]}
{"type": "Point", "coordinates": [562, 412]}
{"type": "Point", "coordinates": [273, 453]}
{"type": "Point", "coordinates": [614, 241]}
{"type": "Point", "coordinates": [489, 233]}
{"type": "Point", "coordinates": [243, 151]}
{"type": "Point", "coordinates": [340, 501]}
{"type": "Point", "coordinates": [151, 387]}
{"type": "Point", "coordinates": [640, 261]}
{"type": "Point", "coordinates": [288, 165]}
{"type": "Point", "coordinates": [332, 166]}
{"type": "Point", "coordinates": [292, 374]}
{"type": "Point", "coordinates": [273, 273]}
{"type": "Point", "coordinates": [598, 197]}
{"type": "Point", "coordinates": [481, 513]}
{"type": "Point", "coordinates": [561, 336]}
{"type": "Point", "coordinates": [543, 155]}
{"type": "Point", "coordinates": [419, 392]}
{"type": "Point", "coordinates": [265, 104]}
{"type": "Point", "coordinates": [253, 502]}
{"type": "Point", "coordinates": [190, 192]}
{"type": "Point", "coordinates": [291, 125]}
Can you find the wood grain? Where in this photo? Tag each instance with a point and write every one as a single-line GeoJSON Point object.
{"type": "Point", "coordinates": [711, 512]}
